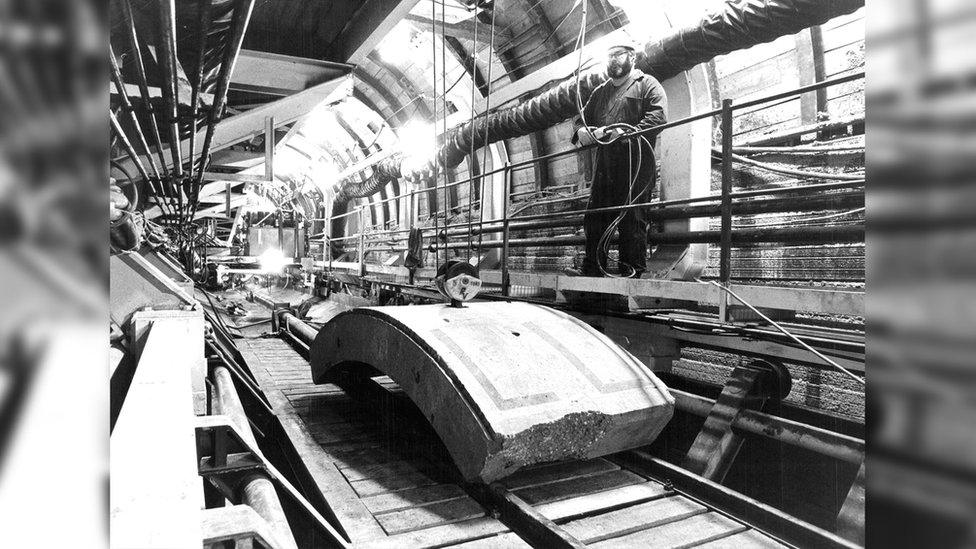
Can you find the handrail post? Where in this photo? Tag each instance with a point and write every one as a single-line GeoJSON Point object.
{"type": "Point", "coordinates": [725, 250]}
{"type": "Point", "coordinates": [362, 241]}
{"type": "Point", "coordinates": [506, 195]}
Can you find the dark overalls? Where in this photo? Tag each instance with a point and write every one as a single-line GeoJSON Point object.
{"type": "Point", "coordinates": [640, 101]}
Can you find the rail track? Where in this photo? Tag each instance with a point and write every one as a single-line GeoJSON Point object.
{"type": "Point", "coordinates": [387, 481]}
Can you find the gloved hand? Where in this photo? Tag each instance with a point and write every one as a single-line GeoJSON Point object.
{"type": "Point", "coordinates": [585, 137]}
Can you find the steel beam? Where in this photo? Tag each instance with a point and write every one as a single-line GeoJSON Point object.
{"type": "Point", "coordinates": [463, 29]}
{"type": "Point", "coordinates": [277, 74]}
{"type": "Point", "coordinates": [818, 300]}
{"type": "Point", "coordinates": [557, 71]}
{"type": "Point", "coordinates": [367, 28]}
{"type": "Point", "coordinates": [235, 129]}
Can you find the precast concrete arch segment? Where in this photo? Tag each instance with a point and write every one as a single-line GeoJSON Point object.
{"type": "Point", "coordinates": [504, 385]}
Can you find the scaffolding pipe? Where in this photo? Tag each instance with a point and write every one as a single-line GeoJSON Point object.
{"type": "Point", "coordinates": [302, 331]}
{"type": "Point", "coordinates": [838, 201]}
{"type": "Point", "coordinates": [845, 234]}
{"type": "Point", "coordinates": [813, 439]}
{"type": "Point", "coordinates": [255, 490]}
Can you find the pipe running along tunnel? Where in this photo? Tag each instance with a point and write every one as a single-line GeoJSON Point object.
{"type": "Point", "coordinates": [504, 385]}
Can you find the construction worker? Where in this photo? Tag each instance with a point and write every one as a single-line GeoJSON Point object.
{"type": "Point", "coordinates": [637, 99]}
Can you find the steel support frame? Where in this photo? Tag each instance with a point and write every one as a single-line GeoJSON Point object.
{"type": "Point", "coordinates": [226, 458]}
{"type": "Point", "coordinates": [717, 445]}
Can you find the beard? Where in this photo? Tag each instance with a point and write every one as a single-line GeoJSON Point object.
{"type": "Point", "coordinates": [618, 70]}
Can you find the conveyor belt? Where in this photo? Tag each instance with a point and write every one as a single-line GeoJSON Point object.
{"type": "Point", "coordinates": [391, 483]}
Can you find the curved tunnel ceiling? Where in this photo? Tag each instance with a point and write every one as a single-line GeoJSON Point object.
{"type": "Point", "coordinates": [400, 86]}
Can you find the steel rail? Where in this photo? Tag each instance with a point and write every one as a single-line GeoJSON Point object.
{"type": "Point", "coordinates": [673, 124]}
{"type": "Point", "coordinates": [802, 190]}
{"type": "Point", "coordinates": [806, 235]}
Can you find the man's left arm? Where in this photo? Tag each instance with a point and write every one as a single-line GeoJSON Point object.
{"type": "Point", "coordinates": [655, 107]}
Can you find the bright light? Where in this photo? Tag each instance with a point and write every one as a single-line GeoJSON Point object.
{"type": "Point", "coordinates": [417, 143]}
{"type": "Point", "coordinates": [273, 261]}
{"type": "Point", "coordinates": [397, 47]}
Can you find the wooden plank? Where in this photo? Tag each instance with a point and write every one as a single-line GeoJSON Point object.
{"type": "Point", "coordinates": [684, 533]}
{"type": "Point", "coordinates": [598, 502]}
{"type": "Point", "coordinates": [373, 486]}
{"type": "Point", "coordinates": [441, 535]}
{"type": "Point", "coordinates": [503, 541]}
{"type": "Point", "coordinates": [634, 519]}
{"type": "Point", "coordinates": [750, 539]}
{"type": "Point", "coordinates": [412, 497]}
{"type": "Point", "coordinates": [353, 517]}
{"type": "Point", "coordinates": [535, 476]}
{"type": "Point", "coordinates": [578, 486]}
{"type": "Point", "coordinates": [236, 523]}
{"type": "Point", "coordinates": [418, 518]}
{"type": "Point", "coordinates": [382, 470]}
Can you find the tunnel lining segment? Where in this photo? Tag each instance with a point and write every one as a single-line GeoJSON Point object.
{"type": "Point", "coordinates": [504, 385]}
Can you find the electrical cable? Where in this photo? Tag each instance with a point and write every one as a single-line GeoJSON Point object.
{"type": "Point", "coordinates": [443, 112]}
{"type": "Point", "coordinates": [432, 205]}
{"type": "Point", "coordinates": [484, 147]}
{"type": "Point", "coordinates": [786, 332]}
{"type": "Point", "coordinates": [471, 157]}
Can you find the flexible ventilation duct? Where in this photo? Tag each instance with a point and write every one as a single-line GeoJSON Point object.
{"type": "Point", "coordinates": [739, 25]}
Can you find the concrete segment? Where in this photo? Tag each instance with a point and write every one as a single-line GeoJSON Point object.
{"type": "Point", "coordinates": [505, 385]}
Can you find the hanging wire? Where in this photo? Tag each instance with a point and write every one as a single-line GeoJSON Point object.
{"type": "Point", "coordinates": [432, 204]}
{"type": "Point", "coordinates": [443, 112]}
{"type": "Point", "coordinates": [471, 157]}
{"type": "Point", "coordinates": [484, 151]}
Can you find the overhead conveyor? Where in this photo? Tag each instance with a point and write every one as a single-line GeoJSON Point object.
{"type": "Point", "coordinates": [505, 385]}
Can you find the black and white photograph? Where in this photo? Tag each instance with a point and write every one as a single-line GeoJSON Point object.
{"type": "Point", "coordinates": [300, 274]}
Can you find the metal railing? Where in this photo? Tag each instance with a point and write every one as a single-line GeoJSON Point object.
{"type": "Point", "coordinates": [723, 205]}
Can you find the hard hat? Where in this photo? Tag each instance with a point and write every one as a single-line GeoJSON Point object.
{"type": "Point", "coordinates": [624, 43]}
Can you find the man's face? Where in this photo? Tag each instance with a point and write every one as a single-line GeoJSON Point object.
{"type": "Point", "coordinates": [620, 62]}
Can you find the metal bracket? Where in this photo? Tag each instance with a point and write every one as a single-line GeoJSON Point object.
{"type": "Point", "coordinates": [222, 452]}
{"type": "Point", "coordinates": [749, 387]}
